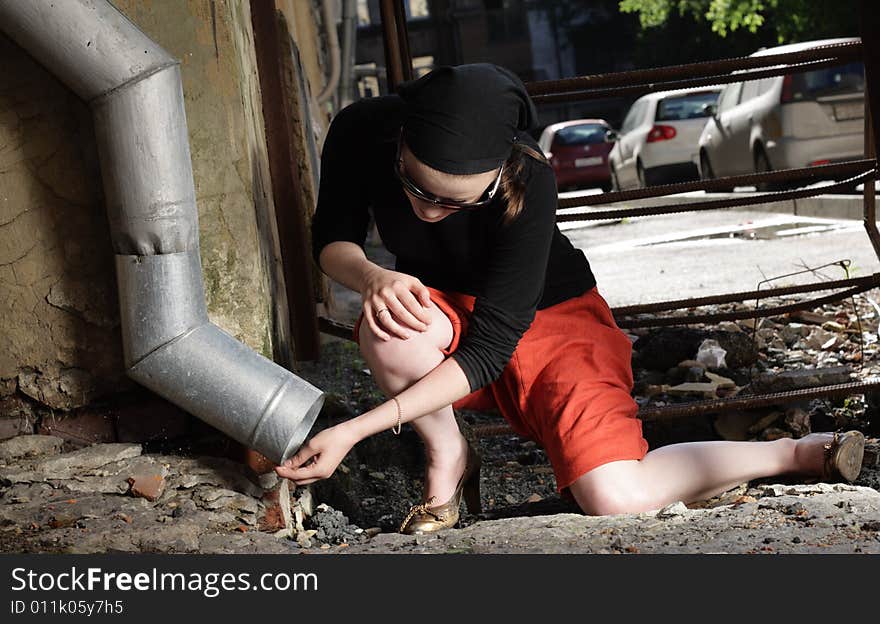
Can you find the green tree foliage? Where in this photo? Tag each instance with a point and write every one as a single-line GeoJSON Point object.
{"type": "Point", "coordinates": [790, 20]}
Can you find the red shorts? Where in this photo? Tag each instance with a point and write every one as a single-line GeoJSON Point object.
{"type": "Point", "coordinates": [567, 385]}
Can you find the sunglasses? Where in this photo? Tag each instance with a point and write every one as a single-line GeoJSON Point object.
{"type": "Point", "coordinates": [452, 204]}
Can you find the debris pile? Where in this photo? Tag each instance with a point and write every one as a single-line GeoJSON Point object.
{"type": "Point", "coordinates": [113, 498]}
{"type": "Point", "coordinates": [836, 343]}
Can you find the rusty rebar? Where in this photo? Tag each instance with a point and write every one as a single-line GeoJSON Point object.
{"type": "Point", "coordinates": [696, 408]}
{"type": "Point", "coordinates": [667, 321]}
{"type": "Point", "coordinates": [715, 204]}
{"type": "Point", "coordinates": [858, 284]}
{"type": "Point", "coordinates": [335, 328]}
{"type": "Point", "coordinates": [713, 406]}
{"type": "Point", "coordinates": [870, 281]}
{"type": "Point", "coordinates": [841, 51]}
{"type": "Point", "coordinates": [689, 83]}
{"type": "Point", "coordinates": [849, 167]}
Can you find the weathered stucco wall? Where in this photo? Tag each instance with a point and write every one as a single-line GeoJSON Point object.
{"type": "Point", "coordinates": [59, 324]}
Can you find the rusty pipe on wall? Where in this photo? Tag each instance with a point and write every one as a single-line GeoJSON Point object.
{"type": "Point", "coordinates": [134, 90]}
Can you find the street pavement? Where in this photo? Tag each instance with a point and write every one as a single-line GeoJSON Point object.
{"type": "Point", "coordinates": [695, 254]}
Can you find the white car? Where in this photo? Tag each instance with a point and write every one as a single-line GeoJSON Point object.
{"type": "Point", "coordinates": [657, 142]}
{"type": "Point", "coordinates": [784, 122]}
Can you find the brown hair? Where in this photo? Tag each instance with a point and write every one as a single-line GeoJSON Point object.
{"type": "Point", "coordinates": [513, 184]}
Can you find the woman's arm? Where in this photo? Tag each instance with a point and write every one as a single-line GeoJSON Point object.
{"type": "Point", "coordinates": [443, 386]}
{"type": "Point", "coordinates": [318, 458]}
{"type": "Point", "coordinates": [404, 296]}
{"type": "Point", "coordinates": [346, 263]}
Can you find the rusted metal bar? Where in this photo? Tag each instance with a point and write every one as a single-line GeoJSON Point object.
{"type": "Point", "coordinates": [715, 204]}
{"type": "Point", "coordinates": [846, 168]}
{"type": "Point", "coordinates": [290, 209]}
{"type": "Point", "coordinates": [857, 285]}
{"type": "Point", "coordinates": [696, 408]}
{"type": "Point", "coordinates": [714, 406]}
{"type": "Point", "coordinates": [398, 62]}
{"type": "Point", "coordinates": [843, 52]}
{"type": "Point", "coordinates": [870, 212]}
{"type": "Point", "coordinates": [869, 22]}
{"type": "Point", "coordinates": [640, 89]}
{"type": "Point", "coordinates": [647, 308]}
{"type": "Point", "coordinates": [740, 314]}
{"type": "Point", "coordinates": [335, 328]}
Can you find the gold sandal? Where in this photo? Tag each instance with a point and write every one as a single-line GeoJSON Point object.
{"type": "Point", "coordinates": [423, 518]}
{"type": "Point", "coordinates": [843, 457]}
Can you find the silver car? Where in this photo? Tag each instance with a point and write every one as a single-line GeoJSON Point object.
{"type": "Point", "coordinates": [657, 142]}
{"type": "Point", "coordinates": [784, 122]}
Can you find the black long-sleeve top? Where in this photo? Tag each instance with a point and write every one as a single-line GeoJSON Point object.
{"type": "Point", "coordinates": [511, 269]}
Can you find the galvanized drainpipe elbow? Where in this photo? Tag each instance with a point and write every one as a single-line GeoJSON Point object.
{"type": "Point", "coordinates": [134, 89]}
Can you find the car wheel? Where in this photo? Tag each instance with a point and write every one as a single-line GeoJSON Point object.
{"type": "Point", "coordinates": [640, 173]}
{"type": "Point", "coordinates": [762, 165]}
{"type": "Point", "coordinates": [615, 184]}
{"type": "Point", "coordinates": [707, 173]}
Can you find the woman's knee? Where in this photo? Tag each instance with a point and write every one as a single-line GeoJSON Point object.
{"type": "Point", "coordinates": [611, 489]}
{"type": "Point", "coordinates": [414, 356]}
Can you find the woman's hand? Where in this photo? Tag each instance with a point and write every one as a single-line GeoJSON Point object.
{"type": "Point", "coordinates": [404, 297]}
{"type": "Point", "coordinates": [318, 458]}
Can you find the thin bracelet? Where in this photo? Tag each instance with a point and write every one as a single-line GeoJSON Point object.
{"type": "Point", "coordinates": [396, 428]}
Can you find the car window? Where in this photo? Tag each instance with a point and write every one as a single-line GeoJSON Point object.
{"type": "Point", "coordinates": [749, 90]}
{"type": "Point", "coordinates": [688, 106]}
{"type": "Point", "coordinates": [629, 121]}
{"type": "Point", "coordinates": [544, 141]}
{"type": "Point", "coordinates": [647, 112]}
{"type": "Point", "coordinates": [848, 78]}
{"type": "Point", "coordinates": [584, 134]}
{"type": "Point", "coordinates": [766, 84]}
{"type": "Point", "coordinates": [729, 97]}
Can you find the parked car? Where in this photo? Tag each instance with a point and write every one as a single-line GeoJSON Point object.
{"type": "Point", "coordinates": [578, 151]}
{"type": "Point", "coordinates": [657, 142]}
{"type": "Point", "coordinates": [783, 122]}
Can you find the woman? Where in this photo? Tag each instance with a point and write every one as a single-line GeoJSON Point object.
{"type": "Point", "coordinates": [491, 306]}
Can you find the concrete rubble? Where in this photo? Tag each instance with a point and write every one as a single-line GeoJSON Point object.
{"type": "Point", "coordinates": [113, 498]}
{"type": "Point", "coordinates": [103, 498]}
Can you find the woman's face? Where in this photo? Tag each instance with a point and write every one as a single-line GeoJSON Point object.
{"type": "Point", "coordinates": [454, 187]}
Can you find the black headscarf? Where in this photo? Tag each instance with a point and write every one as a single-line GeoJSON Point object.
{"type": "Point", "coordinates": [465, 119]}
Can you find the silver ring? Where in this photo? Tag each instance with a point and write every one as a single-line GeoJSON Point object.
{"type": "Point", "coordinates": [381, 311]}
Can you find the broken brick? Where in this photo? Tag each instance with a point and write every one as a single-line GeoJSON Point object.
{"type": "Point", "coordinates": [276, 515]}
{"type": "Point", "coordinates": [148, 486]}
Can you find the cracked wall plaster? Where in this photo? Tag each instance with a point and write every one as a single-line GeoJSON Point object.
{"type": "Point", "coordinates": [59, 321]}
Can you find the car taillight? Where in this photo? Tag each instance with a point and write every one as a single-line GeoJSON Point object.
{"type": "Point", "coordinates": [787, 90]}
{"type": "Point", "coordinates": [661, 133]}
{"type": "Point", "coordinates": [816, 163]}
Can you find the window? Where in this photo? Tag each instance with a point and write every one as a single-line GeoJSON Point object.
{"type": "Point", "coordinates": [767, 84]}
{"type": "Point", "coordinates": [585, 134]}
{"type": "Point", "coordinates": [632, 117]}
{"type": "Point", "coordinates": [729, 97]}
{"type": "Point", "coordinates": [685, 106]}
{"type": "Point", "coordinates": [848, 78]}
{"type": "Point", "coordinates": [749, 90]}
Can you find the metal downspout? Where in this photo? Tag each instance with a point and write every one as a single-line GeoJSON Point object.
{"type": "Point", "coordinates": [134, 90]}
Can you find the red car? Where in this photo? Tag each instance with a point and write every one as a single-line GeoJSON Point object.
{"type": "Point", "coordinates": [578, 150]}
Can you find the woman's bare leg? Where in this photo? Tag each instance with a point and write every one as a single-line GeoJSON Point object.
{"type": "Point", "coordinates": [397, 364]}
{"type": "Point", "coordinates": [692, 471]}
